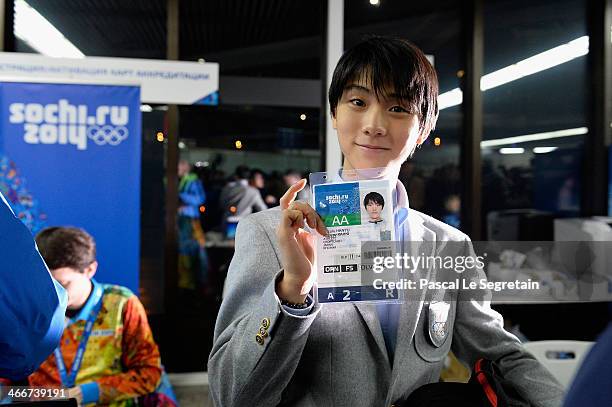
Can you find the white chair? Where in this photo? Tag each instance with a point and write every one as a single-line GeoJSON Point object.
{"type": "Point", "coordinates": [561, 358]}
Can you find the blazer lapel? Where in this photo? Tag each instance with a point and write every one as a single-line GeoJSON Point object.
{"type": "Point", "coordinates": [418, 239]}
{"type": "Point", "coordinates": [370, 316]}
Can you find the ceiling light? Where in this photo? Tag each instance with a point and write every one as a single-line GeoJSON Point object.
{"type": "Point", "coordinates": [374, 2]}
{"type": "Point", "coordinates": [437, 141]}
{"type": "Point", "coordinates": [181, 145]}
{"type": "Point", "coordinates": [451, 98]}
{"type": "Point", "coordinates": [512, 150]}
{"type": "Point", "coordinates": [537, 63]}
{"type": "Point", "coordinates": [238, 144]}
{"type": "Point", "coordinates": [146, 108]}
{"type": "Point", "coordinates": [302, 116]}
{"type": "Point", "coordinates": [160, 136]}
{"type": "Point", "coordinates": [544, 150]}
{"type": "Point", "coordinates": [534, 137]}
{"type": "Point", "coordinates": [36, 31]}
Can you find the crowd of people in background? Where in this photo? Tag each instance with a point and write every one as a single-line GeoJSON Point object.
{"type": "Point", "coordinates": [436, 192]}
{"type": "Point", "coordinates": [250, 190]}
{"type": "Point", "coordinates": [245, 191]}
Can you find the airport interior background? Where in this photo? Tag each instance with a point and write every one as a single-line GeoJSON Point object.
{"type": "Point", "coordinates": [535, 164]}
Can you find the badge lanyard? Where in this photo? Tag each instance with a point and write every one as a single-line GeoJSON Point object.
{"type": "Point", "coordinates": [69, 379]}
{"type": "Point", "coordinates": [398, 227]}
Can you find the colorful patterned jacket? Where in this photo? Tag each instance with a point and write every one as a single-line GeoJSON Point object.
{"type": "Point", "coordinates": [121, 360]}
{"type": "Point", "coordinates": [192, 195]}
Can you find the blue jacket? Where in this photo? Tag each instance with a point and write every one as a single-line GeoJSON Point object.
{"type": "Point", "coordinates": [192, 196]}
{"type": "Point", "coordinates": [32, 303]}
{"type": "Point", "coordinates": [591, 386]}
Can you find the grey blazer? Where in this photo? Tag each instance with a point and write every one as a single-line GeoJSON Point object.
{"type": "Point", "coordinates": [336, 355]}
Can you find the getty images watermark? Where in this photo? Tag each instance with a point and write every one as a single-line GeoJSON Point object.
{"type": "Point", "coordinates": [534, 271]}
{"type": "Point", "coordinates": [458, 264]}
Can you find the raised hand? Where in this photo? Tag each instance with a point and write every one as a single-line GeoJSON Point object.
{"type": "Point", "coordinates": [297, 245]}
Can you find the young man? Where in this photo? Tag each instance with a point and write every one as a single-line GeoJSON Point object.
{"type": "Point", "coordinates": [374, 204]}
{"type": "Point", "coordinates": [274, 345]}
{"type": "Point", "coordinates": [107, 354]}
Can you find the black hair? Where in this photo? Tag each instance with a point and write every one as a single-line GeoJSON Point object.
{"type": "Point", "coordinates": [243, 172]}
{"type": "Point", "coordinates": [66, 247]}
{"type": "Point", "coordinates": [374, 197]}
{"type": "Point", "coordinates": [291, 171]}
{"type": "Point", "coordinates": [256, 171]}
{"type": "Point", "coordinates": [393, 64]}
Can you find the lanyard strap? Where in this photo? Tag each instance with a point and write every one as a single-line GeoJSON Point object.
{"type": "Point", "coordinates": [69, 379]}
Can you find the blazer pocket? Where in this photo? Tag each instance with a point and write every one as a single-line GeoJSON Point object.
{"type": "Point", "coordinates": [432, 338]}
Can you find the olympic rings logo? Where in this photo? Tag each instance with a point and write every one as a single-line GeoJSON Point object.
{"type": "Point", "coordinates": [107, 134]}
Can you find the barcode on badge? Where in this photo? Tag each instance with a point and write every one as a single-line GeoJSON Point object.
{"type": "Point", "coordinates": [369, 255]}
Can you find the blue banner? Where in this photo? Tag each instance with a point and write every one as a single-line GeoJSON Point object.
{"type": "Point", "coordinates": [71, 155]}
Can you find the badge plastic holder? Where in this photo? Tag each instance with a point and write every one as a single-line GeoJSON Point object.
{"type": "Point", "coordinates": [358, 208]}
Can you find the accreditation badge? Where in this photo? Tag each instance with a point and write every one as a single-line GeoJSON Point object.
{"type": "Point", "coordinates": [438, 322]}
{"type": "Point", "coordinates": [355, 213]}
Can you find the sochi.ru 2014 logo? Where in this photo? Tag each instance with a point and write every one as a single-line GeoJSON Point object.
{"type": "Point", "coordinates": [63, 123]}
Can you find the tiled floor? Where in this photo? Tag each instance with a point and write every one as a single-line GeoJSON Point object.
{"type": "Point", "coordinates": [191, 389]}
{"type": "Point", "coordinates": [192, 396]}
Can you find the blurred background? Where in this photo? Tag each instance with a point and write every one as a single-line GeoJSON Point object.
{"type": "Point", "coordinates": [522, 140]}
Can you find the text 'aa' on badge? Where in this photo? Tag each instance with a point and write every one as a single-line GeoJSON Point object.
{"type": "Point", "coordinates": [438, 322]}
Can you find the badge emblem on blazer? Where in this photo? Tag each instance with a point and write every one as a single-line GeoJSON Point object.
{"type": "Point", "coordinates": [438, 322]}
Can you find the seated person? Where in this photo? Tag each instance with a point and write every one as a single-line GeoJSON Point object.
{"type": "Point", "coordinates": [107, 354]}
{"type": "Point", "coordinates": [275, 346]}
{"type": "Point", "coordinates": [32, 304]}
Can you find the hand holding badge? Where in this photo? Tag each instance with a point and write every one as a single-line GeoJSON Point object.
{"type": "Point", "coordinates": [296, 244]}
{"type": "Point", "coordinates": [357, 208]}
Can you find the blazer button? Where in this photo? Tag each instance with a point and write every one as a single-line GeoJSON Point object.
{"type": "Point", "coordinates": [259, 339]}
{"type": "Point", "coordinates": [265, 323]}
{"type": "Point", "coordinates": [263, 332]}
